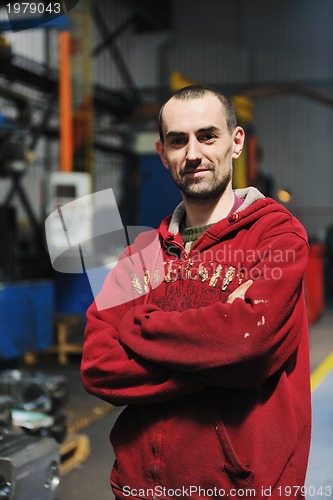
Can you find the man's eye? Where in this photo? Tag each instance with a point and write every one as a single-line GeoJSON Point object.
{"type": "Point", "coordinates": [177, 142]}
{"type": "Point", "coordinates": [208, 138]}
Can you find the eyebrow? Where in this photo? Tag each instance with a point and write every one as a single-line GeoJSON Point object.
{"type": "Point", "coordinates": [211, 128]}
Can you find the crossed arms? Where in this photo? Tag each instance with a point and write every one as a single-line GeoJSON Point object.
{"type": "Point", "coordinates": [137, 352]}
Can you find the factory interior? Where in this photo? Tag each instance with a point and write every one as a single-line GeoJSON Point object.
{"type": "Point", "coordinates": [81, 85]}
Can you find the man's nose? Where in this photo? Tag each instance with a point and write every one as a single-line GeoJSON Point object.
{"type": "Point", "coordinates": [193, 150]}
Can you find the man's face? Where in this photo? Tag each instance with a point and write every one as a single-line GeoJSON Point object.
{"type": "Point", "coordinates": [198, 147]}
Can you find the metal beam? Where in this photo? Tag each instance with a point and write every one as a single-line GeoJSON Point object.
{"type": "Point", "coordinates": [110, 39]}
{"type": "Point", "coordinates": [115, 53]}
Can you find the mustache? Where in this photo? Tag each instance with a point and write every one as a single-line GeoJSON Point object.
{"type": "Point", "coordinates": [191, 168]}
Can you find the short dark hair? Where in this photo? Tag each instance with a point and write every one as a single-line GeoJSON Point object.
{"type": "Point", "coordinates": [195, 92]}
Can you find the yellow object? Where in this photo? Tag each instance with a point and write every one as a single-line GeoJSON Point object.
{"type": "Point", "coordinates": [244, 109]}
{"type": "Point", "coordinates": [73, 452]}
{"type": "Point", "coordinates": [63, 346]}
{"type": "Point", "coordinates": [240, 170]}
{"type": "Point", "coordinates": [318, 375]}
{"type": "Point", "coordinates": [82, 86]}
{"type": "Point", "coordinates": [4, 42]}
{"type": "Point", "coordinates": [284, 195]}
{"type": "Point", "coordinates": [179, 81]}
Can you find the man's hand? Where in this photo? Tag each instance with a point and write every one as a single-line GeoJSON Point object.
{"type": "Point", "coordinates": [240, 292]}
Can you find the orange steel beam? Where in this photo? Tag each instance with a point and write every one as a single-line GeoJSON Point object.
{"type": "Point", "coordinates": [65, 102]}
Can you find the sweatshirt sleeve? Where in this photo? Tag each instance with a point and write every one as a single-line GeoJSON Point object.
{"type": "Point", "coordinates": [111, 370]}
{"type": "Point", "coordinates": [232, 345]}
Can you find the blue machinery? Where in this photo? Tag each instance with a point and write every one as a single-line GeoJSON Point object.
{"type": "Point", "coordinates": [26, 306]}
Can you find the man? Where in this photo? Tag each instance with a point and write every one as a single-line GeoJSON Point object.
{"type": "Point", "coordinates": [211, 359]}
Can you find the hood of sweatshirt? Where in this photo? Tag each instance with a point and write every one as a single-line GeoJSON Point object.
{"type": "Point", "coordinates": [254, 208]}
{"type": "Point", "coordinates": [247, 195]}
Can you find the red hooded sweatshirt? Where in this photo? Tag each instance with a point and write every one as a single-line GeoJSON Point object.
{"type": "Point", "coordinates": [216, 394]}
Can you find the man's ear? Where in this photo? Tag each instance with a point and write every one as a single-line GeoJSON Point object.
{"type": "Point", "coordinates": [160, 151]}
{"type": "Point", "coordinates": [238, 140]}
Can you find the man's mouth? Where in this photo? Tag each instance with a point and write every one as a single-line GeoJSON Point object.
{"type": "Point", "coordinates": [195, 172]}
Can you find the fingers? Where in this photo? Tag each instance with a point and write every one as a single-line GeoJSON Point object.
{"type": "Point", "coordinates": [240, 292]}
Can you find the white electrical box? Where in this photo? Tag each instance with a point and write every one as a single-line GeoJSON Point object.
{"type": "Point", "coordinates": [69, 196]}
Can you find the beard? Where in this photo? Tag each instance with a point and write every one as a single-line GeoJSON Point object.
{"type": "Point", "coordinates": [202, 189]}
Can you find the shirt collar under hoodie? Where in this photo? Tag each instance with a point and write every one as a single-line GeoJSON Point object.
{"type": "Point", "coordinates": [190, 234]}
{"type": "Point", "coordinates": [247, 195]}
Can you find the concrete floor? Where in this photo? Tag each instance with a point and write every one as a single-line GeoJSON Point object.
{"type": "Point", "coordinates": [90, 479]}
{"type": "Point", "coordinates": [320, 469]}
{"type": "Point", "coordinates": [321, 337]}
